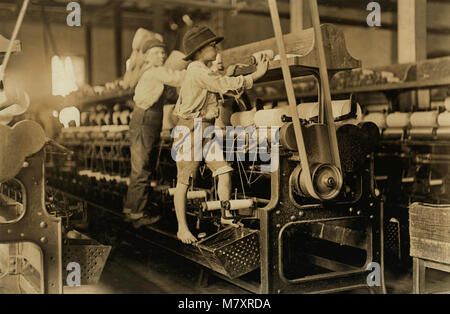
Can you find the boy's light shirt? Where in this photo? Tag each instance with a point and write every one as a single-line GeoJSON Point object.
{"type": "Point", "coordinates": [151, 85]}
{"type": "Point", "coordinates": [199, 80]}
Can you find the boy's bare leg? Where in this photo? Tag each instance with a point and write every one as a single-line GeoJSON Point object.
{"type": "Point", "coordinates": [183, 234]}
{"type": "Point", "coordinates": [224, 186]}
{"type": "Point", "coordinates": [224, 191]}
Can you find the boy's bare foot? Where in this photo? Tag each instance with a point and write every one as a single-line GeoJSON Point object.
{"type": "Point", "coordinates": [186, 237]}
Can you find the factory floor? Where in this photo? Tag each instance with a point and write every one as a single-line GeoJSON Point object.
{"type": "Point", "coordinates": [157, 271]}
{"type": "Point", "coordinates": [129, 271]}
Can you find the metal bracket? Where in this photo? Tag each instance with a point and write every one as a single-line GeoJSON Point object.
{"type": "Point", "coordinates": [37, 225]}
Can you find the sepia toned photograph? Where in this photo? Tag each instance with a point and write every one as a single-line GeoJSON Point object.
{"type": "Point", "coordinates": [222, 153]}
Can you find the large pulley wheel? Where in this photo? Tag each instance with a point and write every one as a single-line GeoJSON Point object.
{"type": "Point", "coordinates": [326, 179]}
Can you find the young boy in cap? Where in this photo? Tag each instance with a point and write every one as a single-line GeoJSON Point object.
{"type": "Point", "coordinates": [198, 99]}
{"type": "Point", "coordinates": [151, 93]}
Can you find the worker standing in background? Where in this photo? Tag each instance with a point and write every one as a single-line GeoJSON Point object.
{"type": "Point", "coordinates": [151, 93]}
{"type": "Point", "coordinates": [199, 98]}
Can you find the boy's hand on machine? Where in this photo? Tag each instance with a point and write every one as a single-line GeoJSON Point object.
{"type": "Point", "coordinates": [231, 70]}
{"type": "Point", "coordinates": [186, 237]}
{"type": "Point", "coordinates": [261, 67]}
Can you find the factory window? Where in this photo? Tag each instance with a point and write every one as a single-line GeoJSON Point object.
{"type": "Point", "coordinates": [70, 115]}
{"type": "Point", "coordinates": [67, 74]}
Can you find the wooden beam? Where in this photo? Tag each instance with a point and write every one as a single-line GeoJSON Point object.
{"type": "Point", "coordinates": [219, 16]}
{"type": "Point", "coordinates": [412, 30]}
{"type": "Point", "coordinates": [301, 43]}
{"type": "Point", "coordinates": [418, 276]}
{"type": "Point", "coordinates": [296, 11]}
{"type": "Point", "coordinates": [412, 45]}
{"type": "Point", "coordinates": [158, 19]}
{"type": "Point", "coordinates": [328, 263]}
{"type": "Point", "coordinates": [12, 42]}
{"type": "Point", "coordinates": [88, 64]}
{"type": "Point", "coordinates": [325, 109]}
{"type": "Point", "coordinates": [118, 39]}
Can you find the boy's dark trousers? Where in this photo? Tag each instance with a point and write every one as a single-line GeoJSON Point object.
{"type": "Point", "coordinates": [145, 129]}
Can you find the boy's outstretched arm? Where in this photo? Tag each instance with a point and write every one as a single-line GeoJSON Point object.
{"type": "Point", "coordinates": [170, 77]}
{"type": "Point", "coordinates": [216, 83]}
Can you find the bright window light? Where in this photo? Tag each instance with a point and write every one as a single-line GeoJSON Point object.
{"type": "Point", "coordinates": [67, 74]}
{"type": "Point", "coordinates": [68, 115]}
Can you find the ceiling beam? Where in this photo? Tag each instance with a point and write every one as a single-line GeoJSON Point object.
{"type": "Point", "coordinates": [134, 17]}
{"type": "Point", "coordinates": [129, 20]}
